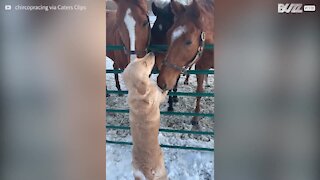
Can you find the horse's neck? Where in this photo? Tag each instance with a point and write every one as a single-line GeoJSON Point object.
{"type": "Point", "coordinates": [119, 21]}
{"type": "Point", "coordinates": [119, 17]}
{"type": "Point", "coordinates": [209, 37]}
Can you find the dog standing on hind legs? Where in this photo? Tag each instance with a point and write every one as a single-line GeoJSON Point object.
{"type": "Point", "coordinates": [144, 98]}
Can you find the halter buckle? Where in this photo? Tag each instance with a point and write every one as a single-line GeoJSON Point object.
{"type": "Point", "coordinates": [203, 36]}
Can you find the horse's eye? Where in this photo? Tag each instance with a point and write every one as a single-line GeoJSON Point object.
{"type": "Point", "coordinates": [145, 23]}
{"type": "Point", "coordinates": [188, 42]}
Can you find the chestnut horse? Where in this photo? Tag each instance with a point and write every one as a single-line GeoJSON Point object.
{"type": "Point", "coordinates": [163, 23]}
{"type": "Point", "coordinates": [192, 28]}
{"type": "Point", "coordinates": [128, 26]}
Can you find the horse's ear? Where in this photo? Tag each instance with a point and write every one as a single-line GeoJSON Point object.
{"type": "Point", "coordinates": [168, 10]}
{"type": "Point", "coordinates": [154, 9]}
{"type": "Point", "coordinates": [137, 2]}
{"type": "Point", "coordinates": [195, 9]}
{"type": "Point", "coordinates": [177, 8]}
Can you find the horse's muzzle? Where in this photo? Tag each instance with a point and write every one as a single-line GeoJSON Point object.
{"type": "Point", "coordinates": [162, 85]}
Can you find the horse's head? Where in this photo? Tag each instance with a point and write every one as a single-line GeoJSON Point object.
{"type": "Point", "coordinates": [134, 25]}
{"type": "Point", "coordinates": [162, 24]}
{"type": "Point", "coordinates": [185, 39]}
{"type": "Point", "coordinates": [164, 21]}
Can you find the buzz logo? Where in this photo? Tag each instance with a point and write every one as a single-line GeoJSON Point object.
{"type": "Point", "coordinates": [290, 8]}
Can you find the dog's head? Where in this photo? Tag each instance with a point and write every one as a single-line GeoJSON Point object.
{"type": "Point", "coordinates": [136, 74]}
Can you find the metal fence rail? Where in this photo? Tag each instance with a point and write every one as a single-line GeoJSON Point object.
{"type": "Point", "coordinates": [112, 71]}
{"type": "Point", "coordinates": [152, 47]}
{"type": "Point", "coordinates": [169, 113]}
{"type": "Point", "coordinates": [204, 94]}
{"type": "Point", "coordinates": [166, 130]}
{"type": "Point", "coordinates": [165, 146]}
{"type": "Point", "coordinates": [163, 48]}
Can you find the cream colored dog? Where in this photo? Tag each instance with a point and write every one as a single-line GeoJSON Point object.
{"type": "Point", "coordinates": [144, 101]}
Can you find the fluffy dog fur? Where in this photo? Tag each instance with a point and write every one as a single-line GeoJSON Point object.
{"type": "Point", "coordinates": [144, 100]}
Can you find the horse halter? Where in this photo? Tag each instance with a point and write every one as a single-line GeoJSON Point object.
{"type": "Point", "coordinates": [195, 58]}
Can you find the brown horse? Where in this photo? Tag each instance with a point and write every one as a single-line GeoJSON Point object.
{"type": "Point", "coordinates": [192, 28]}
{"type": "Point", "coordinates": [128, 26]}
{"type": "Point", "coordinates": [165, 17]}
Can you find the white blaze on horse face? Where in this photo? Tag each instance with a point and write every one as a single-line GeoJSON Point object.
{"type": "Point", "coordinates": [131, 23]}
{"type": "Point", "coordinates": [178, 32]}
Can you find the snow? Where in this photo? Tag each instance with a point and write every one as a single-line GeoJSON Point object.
{"type": "Point", "coordinates": [184, 2]}
{"type": "Point", "coordinates": [163, 3]}
{"type": "Point", "coordinates": [180, 164]}
{"type": "Point", "coordinates": [152, 20]}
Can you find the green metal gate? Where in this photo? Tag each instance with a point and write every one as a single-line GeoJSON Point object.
{"type": "Point", "coordinates": [190, 94]}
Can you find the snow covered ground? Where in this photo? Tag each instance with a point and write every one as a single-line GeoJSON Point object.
{"type": "Point", "coordinates": [180, 164]}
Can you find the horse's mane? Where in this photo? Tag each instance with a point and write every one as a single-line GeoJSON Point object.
{"type": "Point", "coordinates": [207, 4]}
